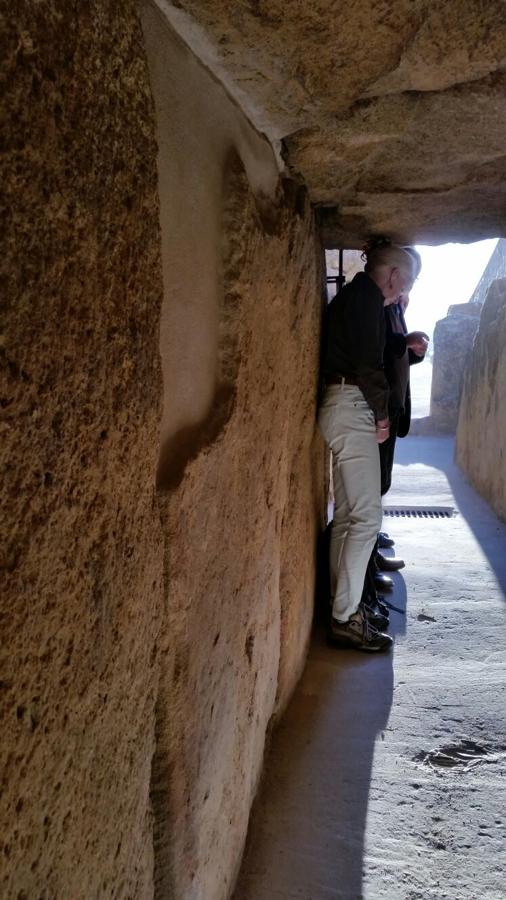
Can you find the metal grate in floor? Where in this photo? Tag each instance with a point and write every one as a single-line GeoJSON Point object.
{"type": "Point", "coordinates": [420, 512]}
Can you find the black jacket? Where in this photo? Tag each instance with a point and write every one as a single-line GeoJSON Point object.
{"type": "Point", "coordinates": [355, 340]}
{"type": "Point", "coordinates": [395, 348]}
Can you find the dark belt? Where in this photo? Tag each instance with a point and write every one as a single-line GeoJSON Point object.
{"type": "Point", "coordinates": [341, 379]}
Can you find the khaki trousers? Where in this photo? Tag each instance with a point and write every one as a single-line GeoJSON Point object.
{"type": "Point", "coordinates": [347, 424]}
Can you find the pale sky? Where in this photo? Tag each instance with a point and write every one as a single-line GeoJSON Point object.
{"type": "Point", "coordinates": [449, 275]}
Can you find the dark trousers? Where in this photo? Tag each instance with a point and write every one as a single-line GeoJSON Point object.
{"type": "Point", "coordinates": [386, 452]}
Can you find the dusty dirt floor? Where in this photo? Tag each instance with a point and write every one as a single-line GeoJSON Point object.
{"type": "Point", "coordinates": [387, 776]}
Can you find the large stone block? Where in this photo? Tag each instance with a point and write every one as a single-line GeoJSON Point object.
{"type": "Point", "coordinates": [159, 510]}
{"type": "Point", "coordinates": [453, 341]}
{"type": "Point", "coordinates": [81, 548]}
{"type": "Point", "coordinates": [481, 433]}
{"type": "Point", "coordinates": [239, 476]}
{"type": "Point", "coordinates": [392, 113]}
{"type": "Point", "coordinates": [495, 268]}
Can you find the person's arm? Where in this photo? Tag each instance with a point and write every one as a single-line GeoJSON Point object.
{"type": "Point", "coordinates": [382, 430]}
{"type": "Point", "coordinates": [417, 343]}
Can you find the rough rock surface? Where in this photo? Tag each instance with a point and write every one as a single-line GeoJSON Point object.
{"type": "Point", "coordinates": [392, 113]}
{"type": "Point", "coordinates": [453, 342]}
{"type": "Point", "coordinates": [386, 777]}
{"type": "Point", "coordinates": [481, 432]}
{"type": "Point", "coordinates": [496, 268]}
{"type": "Point", "coordinates": [239, 475]}
{"type": "Point", "coordinates": [159, 510]}
{"type": "Point", "coordinates": [81, 549]}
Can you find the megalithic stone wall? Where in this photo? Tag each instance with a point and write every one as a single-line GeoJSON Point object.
{"type": "Point", "coordinates": [81, 544]}
{"type": "Point", "coordinates": [453, 341]}
{"type": "Point", "coordinates": [481, 432]}
{"type": "Point", "coordinates": [162, 476]}
{"type": "Point", "coordinates": [239, 476]}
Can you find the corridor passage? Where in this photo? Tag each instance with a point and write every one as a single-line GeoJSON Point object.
{"type": "Point", "coordinates": [387, 775]}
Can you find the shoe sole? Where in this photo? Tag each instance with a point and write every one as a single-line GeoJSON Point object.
{"type": "Point", "coordinates": [343, 644]}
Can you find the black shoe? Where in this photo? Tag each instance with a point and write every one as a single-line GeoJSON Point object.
{"type": "Point", "coordinates": [383, 582]}
{"type": "Point", "coordinates": [382, 606]}
{"type": "Point", "coordinates": [389, 563]}
{"type": "Point", "coordinates": [384, 541]}
{"type": "Point", "coordinates": [376, 604]}
{"type": "Point", "coordinates": [374, 617]}
{"type": "Point", "coordinates": [359, 634]}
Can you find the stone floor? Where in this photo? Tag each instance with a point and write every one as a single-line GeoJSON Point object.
{"type": "Point", "coordinates": [386, 778]}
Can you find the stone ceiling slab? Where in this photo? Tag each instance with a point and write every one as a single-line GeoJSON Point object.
{"type": "Point", "coordinates": [393, 112]}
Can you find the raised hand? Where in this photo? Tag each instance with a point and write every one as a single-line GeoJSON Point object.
{"type": "Point", "coordinates": [418, 341]}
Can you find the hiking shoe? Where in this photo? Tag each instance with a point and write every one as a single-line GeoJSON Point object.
{"type": "Point", "coordinates": [378, 620]}
{"type": "Point", "coordinates": [359, 634]}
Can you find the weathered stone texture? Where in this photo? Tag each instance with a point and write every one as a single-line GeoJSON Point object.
{"type": "Point", "coordinates": [495, 268]}
{"type": "Point", "coordinates": [239, 475]}
{"type": "Point", "coordinates": [81, 544]}
{"type": "Point", "coordinates": [242, 528]}
{"type": "Point", "coordinates": [481, 432]}
{"type": "Point", "coordinates": [453, 343]}
{"type": "Point", "coordinates": [151, 631]}
{"type": "Point", "coordinates": [392, 112]}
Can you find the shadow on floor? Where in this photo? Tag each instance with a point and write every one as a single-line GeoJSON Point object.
{"type": "Point", "coordinates": [307, 834]}
{"type": "Point", "coordinates": [309, 822]}
{"type": "Point", "coordinates": [489, 531]}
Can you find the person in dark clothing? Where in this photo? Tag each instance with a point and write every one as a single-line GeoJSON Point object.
{"type": "Point", "coordinates": [353, 418]}
{"type": "Point", "coordinates": [402, 350]}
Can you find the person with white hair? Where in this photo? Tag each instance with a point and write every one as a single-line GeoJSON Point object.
{"type": "Point", "coordinates": [353, 418]}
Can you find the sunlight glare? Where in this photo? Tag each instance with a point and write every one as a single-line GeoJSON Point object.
{"type": "Point", "coordinates": [449, 275]}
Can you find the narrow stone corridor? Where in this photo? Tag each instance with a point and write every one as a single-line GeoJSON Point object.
{"type": "Point", "coordinates": [175, 174]}
{"type": "Point", "coordinates": [386, 776]}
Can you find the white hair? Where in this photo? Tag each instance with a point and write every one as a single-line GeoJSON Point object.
{"type": "Point", "coordinates": [391, 255]}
